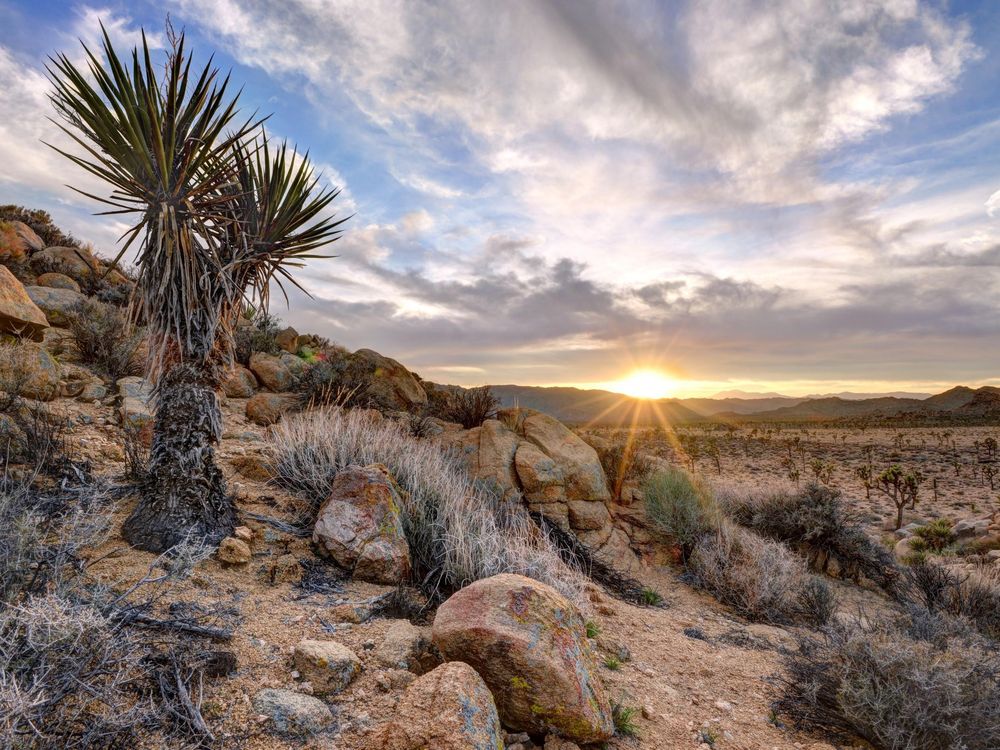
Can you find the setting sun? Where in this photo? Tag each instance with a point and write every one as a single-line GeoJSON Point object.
{"type": "Point", "coordinates": [646, 384]}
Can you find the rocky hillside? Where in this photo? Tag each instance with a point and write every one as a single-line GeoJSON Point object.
{"type": "Point", "coordinates": [413, 567]}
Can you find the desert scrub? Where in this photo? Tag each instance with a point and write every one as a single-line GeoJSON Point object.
{"type": "Point", "coordinates": [680, 507]}
{"type": "Point", "coordinates": [458, 530]}
{"type": "Point", "coordinates": [42, 224]}
{"type": "Point", "coordinates": [105, 339]}
{"type": "Point", "coordinates": [902, 682]}
{"type": "Point", "coordinates": [260, 335]}
{"type": "Point", "coordinates": [760, 578]}
{"type": "Point", "coordinates": [469, 407]}
{"type": "Point", "coordinates": [814, 521]}
{"type": "Point", "coordinates": [974, 596]}
{"type": "Point", "coordinates": [934, 536]}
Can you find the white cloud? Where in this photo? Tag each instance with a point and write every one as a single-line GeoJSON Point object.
{"type": "Point", "coordinates": [993, 204]}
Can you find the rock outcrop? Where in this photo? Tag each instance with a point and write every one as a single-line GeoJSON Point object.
{"type": "Point", "coordinates": [241, 383]}
{"type": "Point", "coordinates": [360, 525]}
{"type": "Point", "coordinates": [529, 645]}
{"type": "Point", "coordinates": [556, 473]}
{"type": "Point", "coordinates": [449, 708]}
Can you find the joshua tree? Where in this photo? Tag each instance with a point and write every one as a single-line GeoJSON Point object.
{"type": "Point", "coordinates": [901, 486]}
{"type": "Point", "coordinates": [220, 215]}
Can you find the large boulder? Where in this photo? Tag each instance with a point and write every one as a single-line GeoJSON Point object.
{"type": "Point", "coordinates": [530, 646]}
{"type": "Point", "coordinates": [76, 262]}
{"type": "Point", "coordinates": [287, 339]}
{"type": "Point", "coordinates": [579, 463]}
{"type": "Point", "coordinates": [241, 383]}
{"type": "Point", "coordinates": [268, 408]}
{"type": "Point", "coordinates": [497, 447]}
{"type": "Point", "coordinates": [19, 315]}
{"type": "Point", "coordinates": [391, 385]}
{"type": "Point", "coordinates": [57, 304]}
{"type": "Point", "coordinates": [275, 373]}
{"type": "Point", "coordinates": [360, 525]}
{"type": "Point", "coordinates": [293, 713]}
{"type": "Point", "coordinates": [449, 708]}
{"type": "Point", "coordinates": [329, 666]}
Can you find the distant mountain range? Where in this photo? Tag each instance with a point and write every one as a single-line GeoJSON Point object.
{"type": "Point", "coordinates": [606, 408]}
{"type": "Point", "coordinates": [846, 395]}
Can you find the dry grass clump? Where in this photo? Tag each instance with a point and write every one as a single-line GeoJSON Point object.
{"type": "Point", "coordinates": [918, 680]}
{"type": "Point", "coordinates": [760, 578]}
{"type": "Point", "coordinates": [458, 531]}
{"type": "Point", "coordinates": [814, 521]}
{"type": "Point", "coordinates": [105, 339]}
{"type": "Point", "coordinates": [74, 670]}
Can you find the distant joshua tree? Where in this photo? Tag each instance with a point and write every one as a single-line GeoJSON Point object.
{"type": "Point", "coordinates": [221, 214]}
{"type": "Point", "coordinates": [901, 486]}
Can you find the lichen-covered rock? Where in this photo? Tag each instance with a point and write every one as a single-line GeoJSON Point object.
{"type": "Point", "coordinates": [406, 646]}
{"type": "Point", "coordinates": [392, 386]}
{"type": "Point", "coordinates": [19, 315]}
{"type": "Point", "coordinates": [529, 644]}
{"type": "Point", "coordinates": [241, 383]}
{"type": "Point", "coordinates": [57, 304]}
{"type": "Point", "coordinates": [268, 408]}
{"type": "Point", "coordinates": [57, 281]}
{"type": "Point", "coordinates": [449, 708]}
{"type": "Point", "coordinates": [293, 713]}
{"type": "Point", "coordinates": [360, 525]}
{"type": "Point", "coordinates": [329, 666]}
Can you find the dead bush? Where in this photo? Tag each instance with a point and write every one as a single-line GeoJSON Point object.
{"type": "Point", "coordinates": [760, 578]}
{"type": "Point", "coordinates": [105, 339]}
{"type": "Point", "coordinates": [907, 682]}
{"type": "Point", "coordinates": [469, 407]}
{"type": "Point", "coordinates": [972, 596]}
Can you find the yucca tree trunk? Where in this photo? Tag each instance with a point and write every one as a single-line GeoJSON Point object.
{"type": "Point", "coordinates": [186, 493]}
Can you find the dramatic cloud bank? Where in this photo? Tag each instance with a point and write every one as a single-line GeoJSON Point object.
{"type": "Point", "coordinates": [784, 194]}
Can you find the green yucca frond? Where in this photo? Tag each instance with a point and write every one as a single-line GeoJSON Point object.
{"type": "Point", "coordinates": [283, 216]}
{"type": "Point", "coordinates": [165, 147]}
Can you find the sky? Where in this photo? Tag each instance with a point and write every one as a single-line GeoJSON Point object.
{"type": "Point", "coordinates": [800, 196]}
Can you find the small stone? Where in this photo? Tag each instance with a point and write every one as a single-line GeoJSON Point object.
{"type": "Point", "coordinates": [292, 713]}
{"type": "Point", "coordinates": [234, 551]}
{"type": "Point", "coordinates": [329, 665]}
{"type": "Point", "coordinates": [648, 712]}
{"type": "Point", "coordinates": [724, 706]}
{"type": "Point", "coordinates": [244, 533]}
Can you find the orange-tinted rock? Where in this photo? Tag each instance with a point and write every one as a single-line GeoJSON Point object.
{"type": "Point", "coordinates": [268, 408]}
{"type": "Point", "coordinates": [529, 645]}
{"type": "Point", "coordinates": [19, 316]}
{"type": "Point", "coordinates": [449, 708]}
